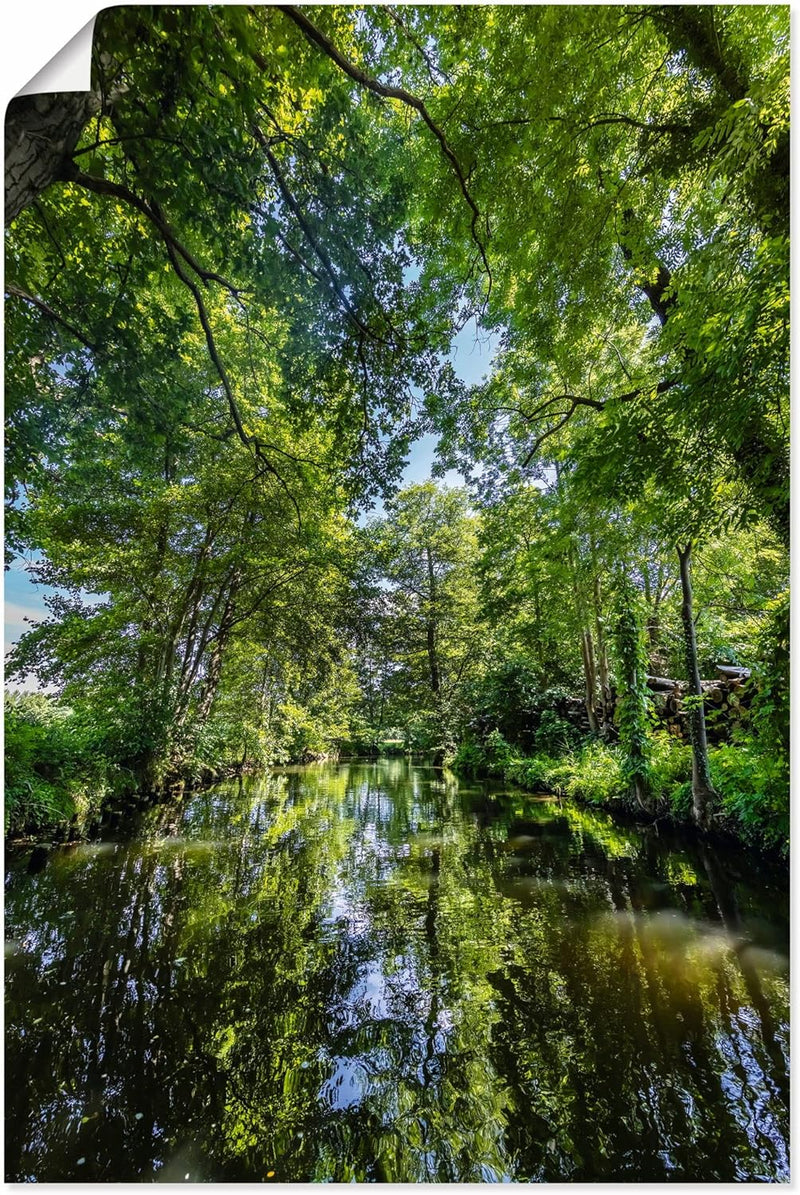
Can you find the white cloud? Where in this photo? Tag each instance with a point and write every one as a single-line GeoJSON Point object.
{"type": "Point", "coordinates": [16, 613]}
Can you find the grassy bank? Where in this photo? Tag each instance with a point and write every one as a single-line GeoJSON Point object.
{"type": "Point", "coordinates": [57, 775]}
{"type": "Point", "coordinates": [60, 774]}
{"type": "Point", "coordinates": [64, 770]}
{"type": "Point", "coordinates": [753, 800]}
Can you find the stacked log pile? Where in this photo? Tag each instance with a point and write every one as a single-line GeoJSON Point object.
{"type": "Point", "coordinates": [727, 702]}
{"type": "Point", "coordinates": [575, 712]}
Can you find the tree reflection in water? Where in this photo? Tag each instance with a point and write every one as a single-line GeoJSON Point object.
{"type": "Point", "coordinates": [370, 972]}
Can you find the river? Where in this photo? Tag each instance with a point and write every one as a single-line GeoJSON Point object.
{"type": "Point", "coordinates": [375, 972]}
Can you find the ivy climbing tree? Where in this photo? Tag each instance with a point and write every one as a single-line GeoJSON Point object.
{"type": "Point", "coordinates": [635, 701]}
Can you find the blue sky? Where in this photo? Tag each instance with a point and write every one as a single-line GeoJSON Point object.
{"type": "Point", "coordinates": [471, 355]}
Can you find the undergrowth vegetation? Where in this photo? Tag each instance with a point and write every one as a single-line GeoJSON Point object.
{"type": "Point", "coordinates": [56, 772]}
{"type": "Point", "coordinates": [753, 795]}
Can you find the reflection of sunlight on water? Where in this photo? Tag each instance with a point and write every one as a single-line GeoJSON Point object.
{"type": "Point", "coordinates": [520, 842]}
{"type": "Point", "coordinates": [697, 943]}
{"type": "Point", "coordinates": [370, 992]}
{"type": "Point", "coordinates": [425, 840]}
{"type": "Point", "coordinates": [188, 846]}
{"type": "Point", "coordinates": [90, 850]}
{"type": "Point", "coordinates": [529, 889]}
{"type": "Point", "coordinates": [749, 1093]}
{"type": "Point", "coordinates": [764, 960]}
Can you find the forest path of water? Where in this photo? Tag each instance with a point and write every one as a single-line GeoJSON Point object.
{"type": "Point", "coordinates": [373, 972]}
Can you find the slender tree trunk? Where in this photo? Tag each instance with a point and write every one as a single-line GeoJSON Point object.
{"type": "Point", "coordinates": [267, 691]}
{"type": "Point", "coordinates": [590, 679]}
{"type": "Point", "coordinates": [702, 789]}
{"type": "Point", "coordinates": [382, 706]}
{"type": "Point", "coordinates": [214, 669]}
{"type": "Point", "coordinates": [605, 706]}
{"type": "Point", "coordinates": [634, 713]}
{"type": "Point", "coordinates": [587, 650]}
{"type": "Point", "coordinates": [654, 616]}
{"type": "Point", "coordinates": [433, 661]}
{"type": "Point", "coordinates": [537, 614]}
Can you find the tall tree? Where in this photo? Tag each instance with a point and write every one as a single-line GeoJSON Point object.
{"type": "Point", "coordinates": [647, 265]}
{"type": "Point", "coordinates": [424, 552]}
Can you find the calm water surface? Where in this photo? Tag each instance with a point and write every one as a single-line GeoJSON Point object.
{"type": "Point", "coordinates": [375, 972]}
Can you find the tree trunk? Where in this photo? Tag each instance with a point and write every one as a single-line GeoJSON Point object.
{"type": "Point", "coordinates": [590, 680]}
{"type": "Point", "coordinates": [41, 134]}
{"type": "Point", "coordinates": [654, 607]}
{"type": "Point", "coordinates": [433, 661]}
{"type": "Point", "coordinates": [587, 649]}
{"type": "Point", "coordinates": [702, 788]}
{"type": "Point", "coordinates": [606, 703]}
{"type": "Point", "coordinates": [214, 666]}
{"type": "Point", "coordinates": [537, 615]}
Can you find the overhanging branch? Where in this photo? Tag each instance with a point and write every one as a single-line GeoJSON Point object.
{"type": "Point", "coordinates": [47, 310]}
{"type": "Point", "coordinates": [106, 186]}
{"type": "Point", "coordinates": [180, 257]}
{"type": "Point", "coordinates": [576, 401]}
{"type": "Point", "coordinates": [386, 91]}
{"type": "Point", "coordinates": [318, 249]}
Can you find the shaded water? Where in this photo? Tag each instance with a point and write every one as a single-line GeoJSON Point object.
{"type": "Point", "coordinates": [374, 972]}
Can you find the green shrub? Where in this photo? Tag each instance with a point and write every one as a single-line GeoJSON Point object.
{"type": "Point", "coordinates": [499, 753]}
{"type": "Point", "coordinates": [752, 782]}
{"type": "Point", "coordinates": [34, 804]}
{"type": "Point", "coordinates": [754, 791]}
{"type": "Point", "coordinates": [534, 772]}
{"type": "Point", "coordinates": [555, 735]}
{"type": "Point", "coordinates": [770, 712]}
{"type": "Point", "coordinates": [597, 774]}
{"type": "Point", "coordinates": [670, 765]}
{"type": "Point", "coordinates": [679, 800]}
{"type": "Point", "coordinates": [492, 757]}
{"type": "Point", "coordinates": [510, 698]}
{"type": "Point", "coordinates": [469, 758]}
{"type": "Point", "coordinates": [54, 773]}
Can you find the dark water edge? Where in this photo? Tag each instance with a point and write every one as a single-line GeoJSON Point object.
{"type": "Point", "coordinates": [120, 817]}
{"type": "Point", "coordinates": [373, 971]}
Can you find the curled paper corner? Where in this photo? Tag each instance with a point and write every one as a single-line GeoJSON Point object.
{"type": "Point", "coordinates": [68, 70]}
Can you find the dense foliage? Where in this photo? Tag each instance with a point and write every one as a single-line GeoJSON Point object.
{"type": "Point", "coordinates": [233, 279]}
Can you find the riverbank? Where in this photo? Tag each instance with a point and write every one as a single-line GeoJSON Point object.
{"type": "Point", "coordinates": [80, 806]}
{"type": "Point", "coordinates": [77, 812]}
{"type": "Point", "coordinates": [747, 811]}
{"type": "Point", "coordinates": [65, 777]}
{"type": "Point", "coordinates": [752, 805]}
{"type": "Point", "coordinates": [63, 784]}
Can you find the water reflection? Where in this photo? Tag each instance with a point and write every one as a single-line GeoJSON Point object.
{"type": "Point", "coordinates": [369, 973]}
